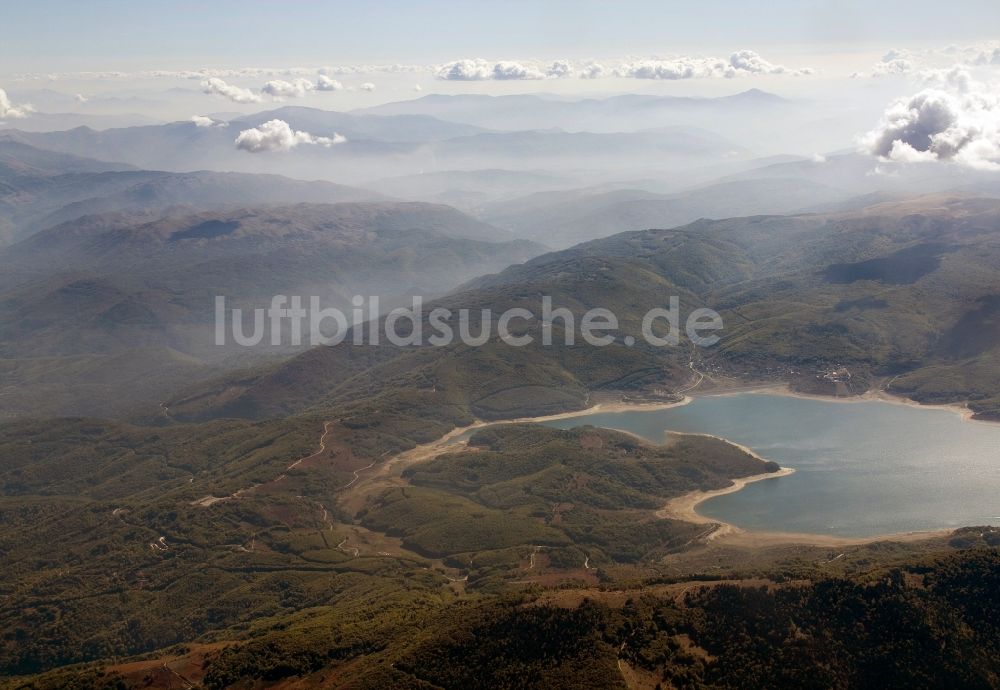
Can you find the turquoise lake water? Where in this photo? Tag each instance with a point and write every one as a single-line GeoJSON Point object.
{"type": "Point", "coordinates": [862, 468]}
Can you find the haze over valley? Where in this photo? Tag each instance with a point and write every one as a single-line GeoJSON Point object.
{"type": "Point", "coordinates": [506, 345]}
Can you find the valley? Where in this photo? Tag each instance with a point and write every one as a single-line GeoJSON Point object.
{"type": "Point", "coordinates": [670, 372]}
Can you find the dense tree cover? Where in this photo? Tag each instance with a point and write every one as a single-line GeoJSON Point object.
{"type": "Point", "coordinates": [899, 631]}
{"type": "Point", "coordinates": [930, 623]}
{"type": "Point", "coordinates": [86, 576]}
{"type": "Point", "coordinates": [923, 626]}
{"type": "Point", "coordinates": [525, 484]}
{"type": "Point", "coordinates": [903, 292]}
{"type": "Point", "coordinates": [518, 647]}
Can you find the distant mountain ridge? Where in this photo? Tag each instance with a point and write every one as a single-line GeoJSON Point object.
{"type": "Point", "coordinates": [125, 300]}
{"type": "Point", "coordinates": [528, 111]}
{"type": "Point", "coordinates": [403, 144]}
{"type": "Point", "coordinates": [41, 188]}
{"type": "Point", "coordinates": [570, 217]}
{"type": "Point", "coordinates": [798, 294]}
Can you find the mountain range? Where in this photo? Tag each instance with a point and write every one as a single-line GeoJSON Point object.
{"type": "Point", "coordinates": [179, 512]}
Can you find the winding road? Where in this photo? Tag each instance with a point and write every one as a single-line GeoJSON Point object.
{"type": "Point", "coordinates": [206, 501]}
{"type": "Point", "coordinates": [357, 475]}
{"type": "Point", "coordinates": [700, 377]}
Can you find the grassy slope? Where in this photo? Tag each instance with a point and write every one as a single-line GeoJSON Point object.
{"type": "Point", "coordinates": [905, 290]}
{"type": "Point", "coordinates": [86, 502]}
{"type": "Point", "coordinates": [115, 592]}
{"type": "Point", "coordinates": [590, 488]}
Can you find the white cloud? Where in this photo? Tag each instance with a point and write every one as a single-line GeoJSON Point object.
{"type": "Point", "coordinates": [897, 62]}
{"type": "Point", "coordinates": [959, 122]}
{"type": "Point", "coordinates": [215, 85]}
{"type": "Point", "coordinates": [987, 57]}
{"type": "Point", "coordinates": [509, 70]}
{"type": "Point", "coordinates": [679, 68]}
{"type": "Point", "coordinates": [592, 70]}
{"type": "Point", "coordinates": [503, 70]}
{"type": "Point", "coordinates": [374, 69]}
{"type": "Point", "coordinates": [740, 63]}
{"type": "Point", "coordinates": [895, 67]}
{"type": "Point", "coordinates": [205, 121]}
{"type": "Point", "coordinates": [80, 98]}
{"type": "Point", "coordinates": [466, 70]}
{"type": "Point", "coordinates": [279, 88]}
{"type": "Point", "coordinates": [749, 62]}
{"type": "Point", "coordinates": [12, 110]}
{"type": "Point", "coordinates": [894, 63]}
{"type": "Point", "coordinates": [325, 83]}
{"type": "Point", "coordinates": [213, 79]}
{"type": "Point", "coordinates": [277, 135]}
{"type": "Point", "coordinates": [559, 69]}
{"type": "Point", "coordinates": [367, 86]}
{"type": "Point", "coordinates": [956, 79]}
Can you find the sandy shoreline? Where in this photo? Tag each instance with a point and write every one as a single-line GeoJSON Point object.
{"type": "Point", "coordinates": [879, 395]}
{"type": "Point", "coordinates": [763, 389]}
{"type": "Point", "coordinates": [593, 409]}
{"type": "Point", "coordinates": [425, 451]}
{"type": "Point", "coordinates": [685, 507]}
{"type": "Point", "coordinates": [601, 407]}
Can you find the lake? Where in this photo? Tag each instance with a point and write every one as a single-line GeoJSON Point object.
{"type": "Point", "coordinates": [862, 468]}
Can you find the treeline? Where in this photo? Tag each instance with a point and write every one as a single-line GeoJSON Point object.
{"type": "Point", "coordinates": [928, 626]}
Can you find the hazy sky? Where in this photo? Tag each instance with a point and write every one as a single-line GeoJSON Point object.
{"type": "Point", "coordinates": [900, 71]}
{"type": "Point", "coordinates": [66, 35]}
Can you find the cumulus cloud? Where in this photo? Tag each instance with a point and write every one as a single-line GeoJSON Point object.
{"type": "Point", "coordinates": [893, 67]}
{"type": "Point", "coordinates": [559, 69]}
{"type": "Point", "coordinates": [510, 70]}
{"type": "Point", "coordinates": [367, 86]}
{"type": "Point", "coordinates": [213, 79]}
{"type": "Point", "coordinates": [942, 124]}
{"type": "Point", "coordinates": [279, 88]}
{"type": "Point", "coordinates": [505, 70]}
{"type": "Point", "coordinates": [740, 63]}
{"type": "Point", "coordinates": [749, 62]}
{"type": "Point", "coordinates": [592, 70]}
{"type": "Point", "coordinates": [278, 135]}
{"type": "Point", "coordinates": [216, 86]}
{"type": "Point", "coordinates": [325, 83]}
{"type": "Point", "coordinates": [893, 63]}
{"type": "Point", "coordinates": [679, 68]}
{"type": "Point", "coordinates": [466, 70]}
{"type": "Point", "coordinates": [956, 79]}
{"type": "Point", "coordinates": [375, 69]}
{"type": "Point", "coordinates": [987, 57]}
{"type": "Point", "coordinates": [897, 62]}
{"type": "Point", "coordinates": [12, 110]}
{"type": "Point", "coordinates": [205, 121]}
